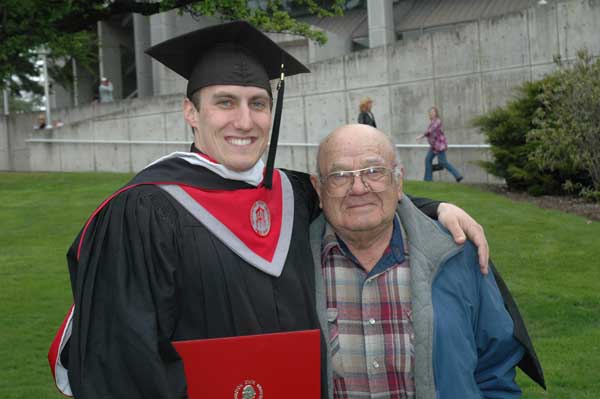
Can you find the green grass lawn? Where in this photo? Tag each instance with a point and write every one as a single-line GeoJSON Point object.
{"type": "Point", "coordinates": [549, 259]}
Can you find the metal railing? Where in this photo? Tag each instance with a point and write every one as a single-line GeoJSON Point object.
{"type": "Point", "coordinates": [172, 142]}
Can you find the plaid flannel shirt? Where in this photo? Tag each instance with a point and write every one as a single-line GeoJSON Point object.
{"type": "Point", "coordinates": [369, 320]}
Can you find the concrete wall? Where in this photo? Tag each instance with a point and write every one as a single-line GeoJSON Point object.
{"type": "Point", "coordinates": [169, 24]}
{"type": "Point", "coordinates": [465, 71]}
{"type": "Point", "coordinates": [4, 148]}
{"type": "Point", "coordinates": [113, 139]}
{"type": "Point", "coordinates": [17, 130]}
{"type": "Point", "coordinates": [60, 97]}
{"type": "Point", "coordinates": [336, 46]}
{"type": "Point", "coordinates": [165, 26]}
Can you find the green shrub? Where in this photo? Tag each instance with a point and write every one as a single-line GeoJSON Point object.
{"type": "Point", "coordinates": [514, 147]}
{"type": "Point", "coordinates": [567, 123]}
{"type": "Point", "coordinates": [506, 129]}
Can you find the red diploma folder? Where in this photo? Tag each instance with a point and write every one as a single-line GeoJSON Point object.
{"type": "Point", "coordinates": [266, 366]}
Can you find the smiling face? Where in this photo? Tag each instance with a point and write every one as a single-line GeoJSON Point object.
{"type": "Point", "coordinates": [360, 211]}
{"type": "Point", "coordinates": [232, 124]}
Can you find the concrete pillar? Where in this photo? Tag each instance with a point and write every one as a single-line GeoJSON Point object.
{"type": "Point", "coordinates": [99, 26]}
{"type": "Point", "coordinates": [162, 27]}
{"type": "Point", "coordinates": [109, 57]}
{"type": "Point", "coordinates": [143, 62]}
{"type": "Point", "coordinates": [381, 23]}
{"type": "Point", "coordinates": [75, 83]}
{"type": "Point", "coordinates": [5, 153]}
{"type": "Point", "coordinates": [5, 101]}
{"type": "Point", "coordinates": [46, 86]}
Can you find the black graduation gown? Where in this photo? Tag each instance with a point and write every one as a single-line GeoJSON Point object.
{"type": "Point", "coordinates": [149, 273]}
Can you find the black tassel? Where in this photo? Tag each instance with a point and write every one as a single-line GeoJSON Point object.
{"type": "Point", "coordinates": [275, 134]}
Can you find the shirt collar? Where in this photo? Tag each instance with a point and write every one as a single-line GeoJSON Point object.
{"type": "Point", "coordinates": [253, 176]}
{"type": "Point", "coordinates": [393, 255]}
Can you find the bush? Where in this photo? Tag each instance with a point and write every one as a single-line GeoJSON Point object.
{"type": "Point", "coordinates": [520, 134]}
{"type": "Point", "coordinates": [567, 123]}
{"type": "Point", "coordinates": [506, 129]}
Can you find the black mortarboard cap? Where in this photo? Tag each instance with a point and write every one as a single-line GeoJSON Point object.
{"type": "Point", "coordinates": [233, 53]}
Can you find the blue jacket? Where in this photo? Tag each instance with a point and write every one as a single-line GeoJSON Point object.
{"type": "Point", "coordinates": [464, 342]}
{"type": "Point", "coordinates": [474, 350]}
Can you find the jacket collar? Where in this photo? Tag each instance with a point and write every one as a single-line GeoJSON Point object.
{"type": "Point", "coordinates": [421, 231]}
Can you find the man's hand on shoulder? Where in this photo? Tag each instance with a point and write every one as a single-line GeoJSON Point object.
{"type": "Point", "coordinates": [463, 226]}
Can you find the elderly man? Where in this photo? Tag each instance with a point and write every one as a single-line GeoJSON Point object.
{"type": "Point", "coordinates": [197, 245]}
{"type": "Point", "coordinates": [405, 309]}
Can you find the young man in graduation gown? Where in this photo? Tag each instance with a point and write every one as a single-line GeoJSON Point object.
{"type": "Point", "coordinates": [200, 244]}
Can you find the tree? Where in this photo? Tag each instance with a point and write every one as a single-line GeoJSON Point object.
{"type": "Point", "coordinates": [568, 121]}
{"type": "Point", "coordinates": [66, 28]}
{"type": "Point", "coordinates": [30, 103]}
{"type": "Point", "coordinates": [547, 139]}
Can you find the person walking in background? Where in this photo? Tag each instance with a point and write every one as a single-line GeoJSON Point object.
{"type": "Point", "coordinates": [105, 90]}
{"type": "Point", "coordinates": [438, 144]}
{"type": "Point", "coordinates": [366, 117]}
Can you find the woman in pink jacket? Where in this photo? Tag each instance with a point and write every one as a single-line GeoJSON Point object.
{"type": "Point", "coordinates": [437, 147]}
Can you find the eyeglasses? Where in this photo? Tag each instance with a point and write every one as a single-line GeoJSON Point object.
{"type": "Point", "coordinates": [375, 178]}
